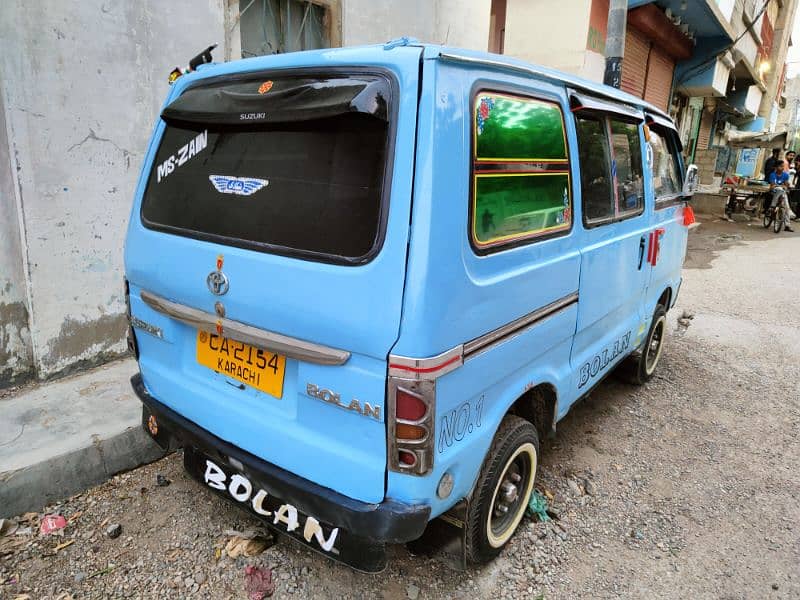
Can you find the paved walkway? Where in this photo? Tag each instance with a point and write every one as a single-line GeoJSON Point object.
{"type": "Point", "coordinates": [61, 437]}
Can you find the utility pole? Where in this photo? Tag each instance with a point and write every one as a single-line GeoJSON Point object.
{"type": "Point", "coordinates": [615, 42]}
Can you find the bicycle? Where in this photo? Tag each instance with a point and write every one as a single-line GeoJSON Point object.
{"type": "Point", "coordinates": [775, 216]}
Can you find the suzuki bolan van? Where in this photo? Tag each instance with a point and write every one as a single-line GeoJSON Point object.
{"type": "Point", "coordinates": [364, 283]}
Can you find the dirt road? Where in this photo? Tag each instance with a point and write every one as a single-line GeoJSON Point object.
{"type": "Point", "coordinates": [686, 487]}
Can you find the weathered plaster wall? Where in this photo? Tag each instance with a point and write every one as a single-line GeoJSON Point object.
{"type": "Point", "coordinates": [556, 38]}
{"type": "Point", "coordinates": [377, 21]}
{"type": "Point", "coordinates": [463, 23]}
{"type": "Point", "coordinates": [83, 83]}
{"type": "Point", "coordinates": [15, 342]}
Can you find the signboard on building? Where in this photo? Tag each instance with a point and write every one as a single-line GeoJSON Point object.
{"type": "Point", "coordinates": [747, 163]}
{"type": "Point", "coordinates": [598, 26]}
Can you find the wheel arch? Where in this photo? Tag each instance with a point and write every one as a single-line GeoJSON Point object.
{"type": "Point", "coordinates": [538, 405]}
{"type": "Point", "coordinates": [665, 299]}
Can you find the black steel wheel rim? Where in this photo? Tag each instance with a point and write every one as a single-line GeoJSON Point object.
{"type": "Point", "coordinates": [505, 507]}
{"type": "Point", "coordinates": [654, 345]}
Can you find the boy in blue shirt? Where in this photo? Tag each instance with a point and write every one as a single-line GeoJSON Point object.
{"type": "Point", "coordinates": [778, 183]}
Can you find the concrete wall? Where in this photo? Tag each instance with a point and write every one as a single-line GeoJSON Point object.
{"type": "Point", "coordinates": [16, 355]}
{"type": "Point", "coordinates": [371, 22]}
{"type": "Point", "coordinates": [462, 23]}
{"type": "Point", "coordinates": [556, 38]}
{"type": "Point", "coordinates": [82, 85]}
{"type": "Point", "coordinates": [706, 161]}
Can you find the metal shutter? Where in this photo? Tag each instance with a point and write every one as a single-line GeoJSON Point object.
{"type": "Point", "coordinates": [703, 136]}
{"type": "Point", "coordinates": [660, 69]}
{"type": "Point", "coordinates": [634, 63]}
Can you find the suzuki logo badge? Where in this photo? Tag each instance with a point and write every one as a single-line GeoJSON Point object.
{"type": "Point", "coordinates": [217, 283]}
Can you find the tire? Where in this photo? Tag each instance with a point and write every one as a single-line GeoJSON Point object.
{"type": "Point", "coordinates": [767, 220]}
{"type": "Point", "coordinates": [777, 223]}
{"type": "Point", "coordinates": [639, 367]}
{"type": "Point", "coordinates": [514, 452]}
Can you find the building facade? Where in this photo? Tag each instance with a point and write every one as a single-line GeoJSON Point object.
{"type": "Point", "coordinates": [789, 115]}
{"type": "Point", "coordinates": [716, 66]}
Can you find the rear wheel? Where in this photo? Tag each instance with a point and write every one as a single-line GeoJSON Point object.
{"type": "Point", "coordinates": [767, 219]}
{"type": "Point", "coordinates": [503, 490]}
{"type": "Point", "coordinates": [777, 224]}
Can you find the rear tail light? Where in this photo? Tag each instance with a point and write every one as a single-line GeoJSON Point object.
{"type": "Point", "coordinates": [407, 458]}
{"type": "Point", "coordinates": [410, 425]}
{"type": "Point", "coordinates": [410, 407]}
{"type": "Point", "coordinates": [409, 432]}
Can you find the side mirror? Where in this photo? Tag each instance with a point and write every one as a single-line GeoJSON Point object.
{"type": "Point", "coordinates": [690, 181]}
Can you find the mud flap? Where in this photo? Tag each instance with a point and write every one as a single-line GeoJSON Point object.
{"type": "Point", "coordinates": [445, 538]}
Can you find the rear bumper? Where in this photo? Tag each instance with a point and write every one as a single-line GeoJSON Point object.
{"type": "Point", "coordinates": [373, 524]}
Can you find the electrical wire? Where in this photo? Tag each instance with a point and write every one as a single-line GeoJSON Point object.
{"type": "Point", "coordinates": [699, 68]}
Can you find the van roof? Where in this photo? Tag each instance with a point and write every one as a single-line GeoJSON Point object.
{"type": "Point", "coordinates": [338, 56]}
{"type": "Point", "coordinates": [503, 62]}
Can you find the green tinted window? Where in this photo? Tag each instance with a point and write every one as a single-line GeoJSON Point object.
{"type": "Point", "coordinates": [518, 129]}
{"type": "Point", "coordinates": [521, 184]}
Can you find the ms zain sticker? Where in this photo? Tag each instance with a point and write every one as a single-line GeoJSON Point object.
{"type": "Point", "coordinates": [242, 186]}
{"type": "Point", "coordinates": [185, 152]}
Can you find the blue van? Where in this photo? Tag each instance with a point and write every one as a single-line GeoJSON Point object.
{"type": "Point", "coordinates": [363, 283]}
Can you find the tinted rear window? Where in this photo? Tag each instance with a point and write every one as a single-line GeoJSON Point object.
{"type": "Point", "coordinates": [293, 181]}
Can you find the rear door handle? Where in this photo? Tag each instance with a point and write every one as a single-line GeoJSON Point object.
{"type": "Point", "coordinates": [641, 252]}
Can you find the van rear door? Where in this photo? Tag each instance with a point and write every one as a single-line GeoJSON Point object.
{"type": "Point", "coordinates": [275, 212]}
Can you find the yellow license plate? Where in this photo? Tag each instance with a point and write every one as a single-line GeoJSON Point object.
{"type": "Point", "coordinates": [252, 366]}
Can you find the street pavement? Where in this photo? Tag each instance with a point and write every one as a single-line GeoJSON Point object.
{"type": "Point", "coordinates": [685, 487]}
{"type": "Point", "coordinates": [61, 437]}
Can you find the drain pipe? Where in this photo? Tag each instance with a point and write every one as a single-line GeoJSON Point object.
{"type": "Point", "coordinates": [615, 42]}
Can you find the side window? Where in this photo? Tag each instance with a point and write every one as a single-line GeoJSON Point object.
{"type": "Point", "coordinates": [666, 177]}
{"type": "Point", "coordinates": [520, 174]}
{"type": "Point", "coordinates": [628, 162]}
{"type": "Point", "coordinates": [595, 167]}
{"type": "Point", "coordinates": [611, 168]}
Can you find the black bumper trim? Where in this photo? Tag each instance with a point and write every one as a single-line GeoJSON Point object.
{"type": "Point", "coordinates": [389, 521]}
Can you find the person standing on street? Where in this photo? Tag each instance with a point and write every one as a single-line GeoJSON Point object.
{"type": "Point", "coordinates": [790, 166]}
{"type": "Point", "coordinates": [771, 162]}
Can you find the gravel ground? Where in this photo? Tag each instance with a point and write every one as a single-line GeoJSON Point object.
{"type": "Point", "coordinates": [685, 487]}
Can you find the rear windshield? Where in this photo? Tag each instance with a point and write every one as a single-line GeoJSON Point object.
{"type": "Point", "coordinates": [291, 166]}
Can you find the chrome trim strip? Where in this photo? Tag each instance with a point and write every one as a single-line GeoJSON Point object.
{"type": "Point", "coordinates": [485, 341]}
{"type": "Point", "coordinates": [532, 70]}
{"type": "Point", "coordinates": [430, 369]}
{"type": "Point", "coordinates": [241, 332]}
{"type": "Point", "coordinates": [425, 369]}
